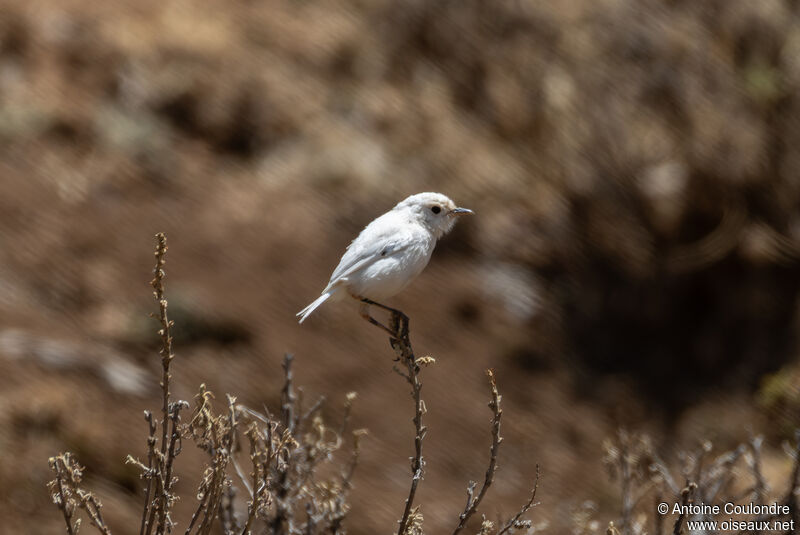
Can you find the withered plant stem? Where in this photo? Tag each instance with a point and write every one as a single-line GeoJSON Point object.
{"type": "Point", "coordinates": [687, 497]}
{"type": "Point", "coordinates": [474, 501]}
{"type": "Point", "coordinates": [63, 503]}
{"type": "Point", "coordinates": [149, 473]}
{"type": "Point", "coordinates": [402, 346]}
{"type": "Point", "coordinates": [170, 441]}
{"type": "Point", "coordinates": [530, 503]}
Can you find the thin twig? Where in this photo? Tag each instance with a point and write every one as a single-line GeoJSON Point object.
{"type": "Point", "coordinates": [164, 332]}
{"type": "Point", "coordinates": [256, 454]}
{"type": "Point", "coordinates": [163, 499]}
{"type": "Point", "coordinates": [339, 503]}
{"type": "Point", "coordinates": [313, 409]}
{"type": "Point", "coordinates": [288, 397]}
{"type": "Point", "coordinates": [473, 503]}
{"type": "Point", "coordinates": [530, 503]}
{"type": "Point", "coordinates": [660, 467]}
{"type": "Point", "coordinates": [230, 524]}
{"type": "Point", "coordinates": [759, 485]}
{"type": "Point", "coordinates": [242, 477]}
{"type": "Point", "coordinates": [687, 495]}
{"type": "Point", "coordinates": [149, 472]}
{"type": "Point", "coordinates": [61, 499]}
{"type": "Point", "coordinates": [196, 514]}
{"type": "Point", "coordinates": [67, 494]}
{"type": "Point", "coordinates": [348, 407]}
{"type": "Point", "coordinates": [92, 506]}
{"type": "Point", "coordinates": [281, 521]}
{"type": "Point", "coordinates": [722, 473]}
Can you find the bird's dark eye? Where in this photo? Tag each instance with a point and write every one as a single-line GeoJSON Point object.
{"type": "Point", "coordinates": [436, 209]}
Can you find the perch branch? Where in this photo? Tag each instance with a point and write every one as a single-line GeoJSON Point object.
{"type": "Point", "coordinates": [402, 347]}
{"type": "Point", "coordinates": [400, 342]}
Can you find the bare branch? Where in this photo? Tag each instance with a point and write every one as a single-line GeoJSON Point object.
{"type": "Point", "coordinates": [402, 346]}
{"type": "Point", "coordinates": [754, 460]}
{"type": "Point", "coordinates": [285, 454]}
{"type": "Point", "coordinates": [473, 503]}
{"type": "Point", "coordinates": [157, 513]}
{"type": "Point", "coordinates": [149, 472]}
{"type": "Point", "coordinates": [288, 397]}
{"type": "Point", "coordinates": [516, 519]}
{"type": "Point", "coordinates": [60, 494]}
{"type": "Point", "coordinates": [68, 495]}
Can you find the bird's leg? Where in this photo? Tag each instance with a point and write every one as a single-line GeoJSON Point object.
{"type": "Point", "coordinates": [364, 311]}
{"type": "Point", "coordinates": [399, 324]}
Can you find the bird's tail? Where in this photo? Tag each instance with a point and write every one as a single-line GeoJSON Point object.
{"type": "Point", "coordinates": [313, 306]}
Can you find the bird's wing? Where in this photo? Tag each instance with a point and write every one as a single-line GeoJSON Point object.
{"type": "Point", "coordinates": [374, 242]}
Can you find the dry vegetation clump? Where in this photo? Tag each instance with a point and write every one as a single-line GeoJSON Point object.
{"type": "Point", "coordinates": [705, 480]}
{"type": "Point", "coordinates": [294, 481]}
{"type": "Point", "coordinates": [287, 489]}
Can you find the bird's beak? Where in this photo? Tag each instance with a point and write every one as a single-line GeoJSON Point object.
{"type": "Point", "coordinates": [458, 211]}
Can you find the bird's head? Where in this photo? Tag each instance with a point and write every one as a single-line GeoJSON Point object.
{"type": "Point", "coordinates": [434, 210]}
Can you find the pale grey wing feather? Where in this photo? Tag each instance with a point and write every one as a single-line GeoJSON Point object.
{"type": "Point", "coordinates": [359, 257]}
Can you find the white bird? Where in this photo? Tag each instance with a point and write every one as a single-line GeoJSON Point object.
{"type": "Point", "coordinates": [390, 252]}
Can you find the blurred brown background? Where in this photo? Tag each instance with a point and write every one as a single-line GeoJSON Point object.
{"type": "Point", "coordinates": [634, 167]}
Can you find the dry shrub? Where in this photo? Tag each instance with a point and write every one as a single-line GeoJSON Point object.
{"type": "Point", "coordinates": [704, 480]}
{"type": "Point", "coordinates": [287, 490]}
{"type": "Point", "coordinates": [296, 483]}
